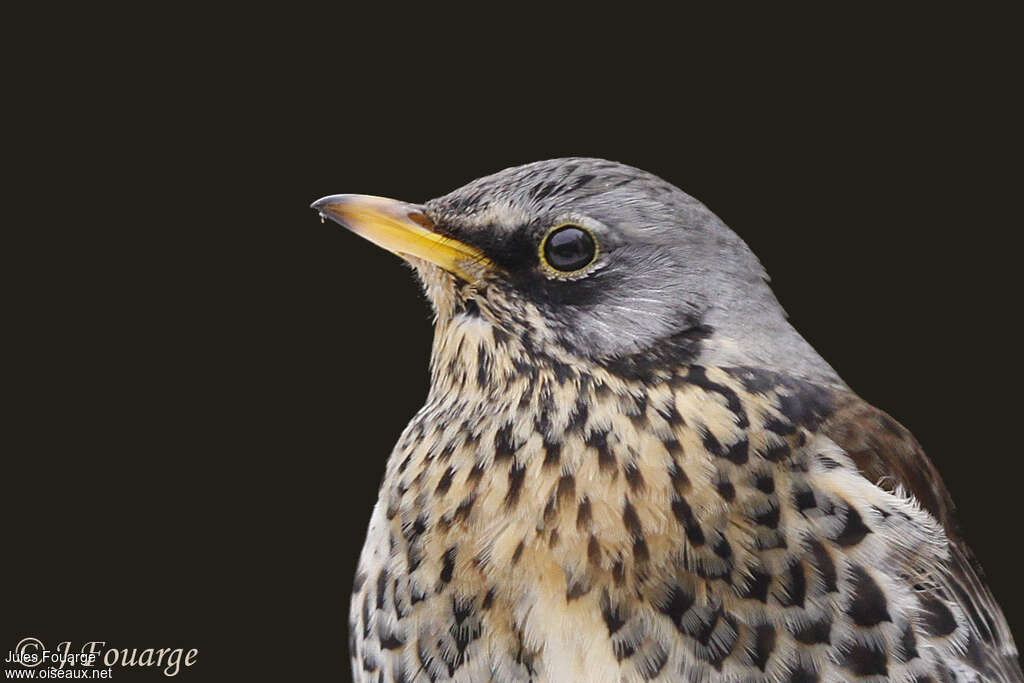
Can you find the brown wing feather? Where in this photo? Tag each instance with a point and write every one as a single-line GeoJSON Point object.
{"type": "Point", "coordinates": [888, 454]}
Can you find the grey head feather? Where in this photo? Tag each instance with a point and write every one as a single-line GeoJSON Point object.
{"type": "Point", "coordinates": [666, 265]}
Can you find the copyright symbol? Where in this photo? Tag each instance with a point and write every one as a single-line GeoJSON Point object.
{"type": "Point", "coordinates": [30, 646]}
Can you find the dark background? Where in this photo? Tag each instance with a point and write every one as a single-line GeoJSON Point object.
{"type": "Point", "coordinates": [207, 381]}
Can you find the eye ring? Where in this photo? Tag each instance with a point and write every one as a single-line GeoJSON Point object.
{"type": "Point", "coordinates": [568, 248]}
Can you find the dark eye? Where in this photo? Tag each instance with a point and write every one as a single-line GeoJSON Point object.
{"type": "Point", "coordinates": [568, 248]}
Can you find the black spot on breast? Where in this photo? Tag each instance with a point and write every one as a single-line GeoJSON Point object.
{"type": "Point", "coordinates": [550, 509]}
{"type": "Point", "coordinates": [401, 608]}
{"type": "Point", "coordinates": [712, 571]}
{"type": "Point", "coordinates": [467, 307]}
{"type": "Point", "coordinates": [504, 446]}
{"type": "Point", "coordinates": [828, 463]}
{"type": "Point", "coordinates": [768, 518]}
{"type": "Point", "coordinates": [465, 507]}
{"type": "Point", "coordinates": [756, 587]}
{"type": "Point", "coordinates": [726, 635]}
{"type": "Point", "coordinates": [631, 519]}
{"type": "Point", "coordinates": [764, 483]}
{"type": "Point", "coordinates": [762, 646]}
{"type": "Point", "coordinates": [446, 452]}
{"type": "Point", "coordinates": [515, 483]}
{"type": "Point", "coordinates": [908, 644]}
{"type": "Point", "coordinates": [583, 514]}
{"type": "Point", "coordinates": [722, 548]}
{"type": "Point", "coordinates": [578, 417]}
{"type": "Point", "coordinates": [370, 663]}
{"type": "Point", "coordinates": [669, 413]}
{"type": "Point", "coordinates": [545, 405]}
{"type": "Point", "coordinates": [563, 373]}
{"type": "Point", "coordinates": [680, 482]}
{"type": "Point", "coordinates": [799, 465]}
{"type": "Point", "coordinates": [382, 586]}
{"type": "Point", "coordinates": [937, 617]}
{"type": "Point", "coordinates": [445, 482]}
{"type": "Point", "coordinates": [488, 600]}
{"type": "Point", "coordinates": [770, 539]}
{"type": "Point", "coordinates": [448, 562]}
{"type": "Point", "coordinates": [483, 366]}
{"type": "Point", "coordinates": [619, 572]}
{"type": "Point", "coordinates": [501, 337]}
{"type": "Point", "coordinates": [676, 604]}
{"type": "Point", "coordinates": [698, 377]}
{"type": "Point", "coordinates": [413, 550]}
{"type": "Point", "coordinates": [803, 498]}
{"type": "Point", "coordinates": [633, 477]}
{"type": "Point", "coordinates": [797, 586]}
{"type": "Point", "coordinates": [598, 440]}
{"type": "Point", "coordinates": [518, 552]}
{"type": "Point", "coordinates": [653, 662]}
{"type": "Point", "coordinates": [387, 639]}
{"type": "Point", "coordinates": [975, 654]}
{"type": "Point", "coordinates": [701, 628]}
{"type": "Point", "coordinates": [426, 659]}
{"type": "Point", "coordinates": [684, 515]}
{"type": "Point", "coordinates": [461, 610]}
{"type": "Point", "coordinates": [552, 453]}
{"type": "Point", "coordinates": [577, 589]}
{"type": "Point", "coordinates": [637, 412]}
{"type": "Point", "coordinates": [854, 530]}
{"type": "Point", "coordinates": [475, 473]}
{"type": "Point", "coordinates": [640, 552]}
{"type": "Point", "coordinates": [813, 633]}
{"type": "Point", "coordinates": [366, 616]}
{"type": "Point", "coordinates": [738, 452]}
{"type": "Point", "coordinates": [864, 660]}
{"type": "Point", "coordinates": [594, 551]}
{"type": "Point", "coordinates": [726, 490]}
{"type": "Point", "coordinates": [802, 675]}
{"type": "Point", "coordinates": [413, 531]}
{"type": "Point", "coordinates": [566, 488]}
{"type": "Point", "coordinates": [780, 427]}
{"type": "Point", "coordinates": [462, 636]}
{"type": "Point", "coordinates": [711, 443]}
{"type": "Point", "coordinates": [623, 649]}
{"type": "Point", "coordinates": [868, 606]}
{"type": "Point", "coordinates": [613, 617]}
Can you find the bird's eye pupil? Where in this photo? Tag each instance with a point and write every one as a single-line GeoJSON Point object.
{"type": "Point", "coordinates": [569, 248]}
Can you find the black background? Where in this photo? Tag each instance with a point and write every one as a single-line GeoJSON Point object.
{"type": "Point", "coordinates": [207, 381]}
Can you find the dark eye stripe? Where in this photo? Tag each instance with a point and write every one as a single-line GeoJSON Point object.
{"type": "Point", "coordinates": [569, 248]}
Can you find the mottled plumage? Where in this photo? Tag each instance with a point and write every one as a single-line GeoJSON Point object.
{"type": "Point", "coordinates": [640, 471]}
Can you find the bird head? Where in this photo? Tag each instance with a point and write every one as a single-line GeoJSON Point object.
{"type": "Point", "coordinates": [586, 261]}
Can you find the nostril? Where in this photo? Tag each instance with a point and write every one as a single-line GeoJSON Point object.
{"type": "Point", "coordinates": [422, 220]}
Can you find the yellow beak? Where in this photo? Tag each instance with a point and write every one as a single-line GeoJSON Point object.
{"type": "Point", "coordinates": [402, 229]}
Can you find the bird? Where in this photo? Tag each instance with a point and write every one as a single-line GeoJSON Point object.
{"type": "Point", "coordinates": [630, 466]}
